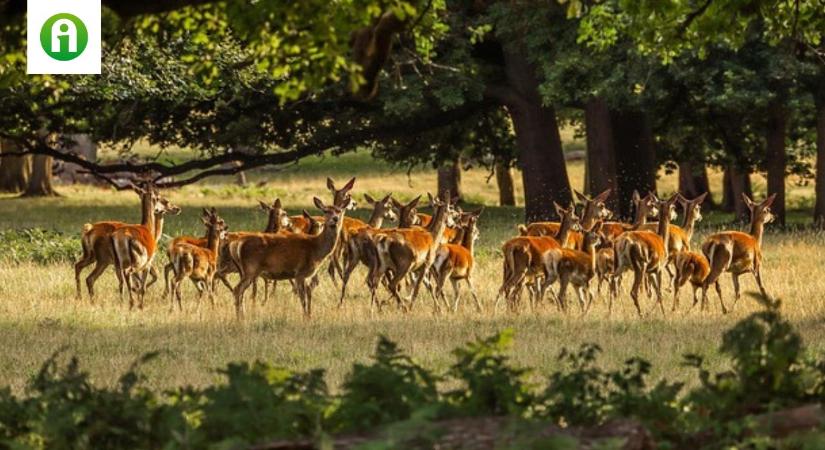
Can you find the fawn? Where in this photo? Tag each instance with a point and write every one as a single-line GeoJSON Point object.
{"type": "Point", "coordinates": [199, 263]}
{"type": "Point", "coordinates": [455, 262]}
{"type": "Point", "coordinates": [576, 267]}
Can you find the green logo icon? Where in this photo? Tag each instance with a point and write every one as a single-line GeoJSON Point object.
{"type": "Point", "coordinates": [64, 37]}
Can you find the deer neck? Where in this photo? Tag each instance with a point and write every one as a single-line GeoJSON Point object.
{"type": "Point", "coordinates": [158, 227]}
{"type": "Point", "coordinates": [757, 228]}
{"type": "Point", "coordinates": [468, 240]}
{"type": "Point", "coordinates": [588, 216]}
{"type": "Point", "coordinates": [150, 220]}
{"type": "Point", "coordinates": [328, 239]}
{"type": "Point", "coordinates": [690, 223]}
{"type": "Point", "coordinates": [376, 219]}
{"type": "Point", "coordinates": [438, 224]}
{"type": "Point", "coordinates": [641, 217]}
{"type": "Point", "coordinates": [664, 227]}
{"type": "Point", "coordinates": [212, 239]}
{"type": "Point", "coordinates": [591, 252]}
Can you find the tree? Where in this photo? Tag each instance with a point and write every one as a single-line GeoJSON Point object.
{"type": "Point", "coordinates": [14, 171]}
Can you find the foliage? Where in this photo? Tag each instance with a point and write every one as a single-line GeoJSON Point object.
{"type": "Point", "coordinates": [62, 408]}
{"type": "Point", "coordinates": [37, 245]}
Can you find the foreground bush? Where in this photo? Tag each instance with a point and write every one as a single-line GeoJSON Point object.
{"type": "Point", "coordinates": [38, 245]}
{"type": "Point", "coordinates": [62, 409]}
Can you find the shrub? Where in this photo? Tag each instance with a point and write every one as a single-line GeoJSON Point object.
{"type": "Point", "coordinates": [37, 245]}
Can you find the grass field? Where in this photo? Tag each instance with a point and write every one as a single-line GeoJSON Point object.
{"type": "Point", "coordinates": [39, 315]}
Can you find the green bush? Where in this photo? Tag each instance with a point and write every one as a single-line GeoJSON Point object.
{"type": "Point", "coordinates": [38, 246]}
{"type": "Point", "coordinates": [62, 409]}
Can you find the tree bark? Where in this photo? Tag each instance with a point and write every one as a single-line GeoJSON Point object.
{"type": "Point", "coordinates": [635, 156]}
{"type": "Point", "coordinates": [735, 182]}
{"type": "Point", "coordinates": [776, 157]}
{"type": "Point", "coordinates": [449, 178]}
{"type": "Point", "coordinates": [541, 158]}
{"type": "Point", "coordinates": [40, 182]}
{"type": "Point", "coordinates": [693, 180]}
{"type": "Point", "coordinates": [14, 170]}
{"type": "Point", "coordinates": [819, 208]}
{"type": "Point", "coordinates": [506, 189]}
{"type": "Point", "coordinates": [601, 155]}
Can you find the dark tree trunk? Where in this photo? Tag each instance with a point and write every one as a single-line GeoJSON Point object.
{"type": "Point", "coordinates": [735, 182]}
{"type": "Point", "coordinates": [693, 180]}
{"type": "Point", "coordinates": [635, 156]}
{"type": "Point", "coordinates": [14, 170]}
{"type": "Point", "coordinates": [40, 182]}
{"type": "Point", "coordinates": [601, 155]}
{"type": "Point", "coordinates": [506, 189]}
{"type": "Point", "coordinates": [776, 158]}
{"type": "Point", "coordinates": [541, 158]}
{"type": "Point", "coordinates": [819, 209]}
{"type": "Point", "coordinates": [449, 178]}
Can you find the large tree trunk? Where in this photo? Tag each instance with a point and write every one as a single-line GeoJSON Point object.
{"type": "Point", "coordinates": [449, 178]}
{"type": "Point", "coordinates": [541, 158]}
{"type": "Point", "coordinates": [601, 155]}
{"type": "Point", "coordinates": [819, 208]}
{"type": "Point", "coordinates": [776, 158]}
{"type": "Point", "coordinates": [693, 180]}
{"type": "Point", "coordinates": [735, 182]}
{"type": "Point", "coordinates": [14, 170]}
{"type": "Point", "coordinates": [635, 156]}
{"type": "Point", "coordinates": [506, 189]}
{"type": "Point", "coordinates": [40, 182]}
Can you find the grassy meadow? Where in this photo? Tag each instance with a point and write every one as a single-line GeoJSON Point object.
{"type": "Point", "coordinates": [40, 315]}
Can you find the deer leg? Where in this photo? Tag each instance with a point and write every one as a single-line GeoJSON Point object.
{"type": "Point", "coordinates": [757, 273]}
{"type": "Point", "coordinates": [657, 278]}
{"type": "Point", "coordinates": [92, 278]}
{"type": "Point", "coordinates": [456, 292]}
{"type": "Point", "coordinates": [81, 264]}
{"type": "Point", "coordinates": [240, 289]}
{"type": "Point", "coordinates": [563, 281]}
{"type": "Point", "coordinates": [473, 294]}
{"type": "Point", "coordinates": [351, 262]}
{"type": "Point", "coordinates": [154, 273]}
{"type": "Point", "coordinates": [308, 296]}
{"type": "Point", "coordinates": [719, 293]}
{"type": "Point", "coordinates": [634, 291]}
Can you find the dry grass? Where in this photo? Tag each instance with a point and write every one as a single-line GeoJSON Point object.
{"type": "Point", "coordinates": [38, 312]}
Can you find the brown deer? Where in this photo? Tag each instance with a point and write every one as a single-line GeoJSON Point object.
{"type": "Point", "coordinates": [407, 213]}
{"type": "Point", "coordinates": [680, 237]}
{"type": "Point", "coordinates": [410, 251]}
{"type": "Point", "coordinates": [737, 252]}
{"type": "Point", "coordinates": [455, 262]}
{"type": "Point", "coordinates": [134, 247]}
{"type": "Point", "coordinates": [645, 253]}
{"type": "Point", "coordinates": [286, 256]}
{"type": "Point", "coordinates": [576, 267]}
{"type": "Point", "coordinates": [359, 246]}
{"type": "Point", "coordinates": [96, 240]}
{"type": "Point", "coordinates": [199, 263]}
{"type": "Point", "coordinates": [693, 267]}
{"type": "Point", "coordinates": [523, 260]}
{"type": "Point", "coordinates": [593, 209]}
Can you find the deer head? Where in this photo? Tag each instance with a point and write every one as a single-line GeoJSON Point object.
{"type": "Point", "coordinates": [693, 208]}
{"type": "Point", "coordinates": [164, 207]}
{"type": "Point", "coordinates": [594, 208]}
{"type": "Point", "coordinates": [341, 197]}
{"type": "Point", "coordinates": [332, 215]}
{"type": "Point", "coordinates": [383, 207]}
{"type": "Point", "coordinates": [568, 216]}
{"type": "Point", "coordinates": [406, 212]}
{"type": "Point", "coordinates": [277, 214]}
{"type": "Point", "coordinates": [760, 212]}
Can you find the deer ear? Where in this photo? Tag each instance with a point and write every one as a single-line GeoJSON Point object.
{"type": "Point", "coordinates": [478, 211]}
{"type": "Point", "coordinates": [306, 214]}
{"type": "Point", "coordinates": [319, 204]}
{"type": "Point", "coordinates": [414, 202]}
{"type": "Point", "coordinates": [369, 199]}
{"type": "Point", "coordinates": [603, 196]}
{"type": "Point", "coordinates": [748, 202]}
{"type": "Point", "coordinates": [264, 206]}
{"type": "Point", "coordinates": [330, 184]}
{"type": "Point", "coordinates": [277, 203]}
{"type": "Point", "coordinates": [769, 201]}
{"type": "Point", "coordinates": [386, 198]}
{"type": "Point", "coordinates": [582, 198]}
{"type": "Point", "coordinates": [559, 210]}
{"type": "Point", "coordinates": [430, 197]}
{"type": "Point", "coordinates": [674, 198]}
{"type": "Point", "coordinates": [349, 185]}
{"type": "Point", "coordinates": [700, 199]}
{"type": "Point", "coordinates": [396, 203]}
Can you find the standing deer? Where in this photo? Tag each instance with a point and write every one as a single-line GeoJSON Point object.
{"type": "Point", "coordinates": [593, 209]}
{"type": "Point", "coordinates": [523, 260]}
{"type": "Point", "coordinates": [286, 256]}
{"type": "Point", "coordinates": [134, 247]}
{"type": "Point", "coordinates": [96, 240]}
{"type": "Point", "coordinates": [410, 251]}
{"type": "Point", "coordinates": [693, 267]}
{"type": "Point", "coordinates": [576, 267]}
{"type": "Point", "coordinates": [407, 213]}
{"type": "Point", "coordinates": [199, 263]}
{"type": "Point", "coordinates": [359, 246]}
{"type": "Point", "coordinates": [737, 252]}
{"type": "Point", "coordinates": [455, 262]}
{"type": "Point", "coordinates": [645, 253]}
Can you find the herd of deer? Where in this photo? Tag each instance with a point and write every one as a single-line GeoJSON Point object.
{"type": "Point", "coordinates": [424, 250]}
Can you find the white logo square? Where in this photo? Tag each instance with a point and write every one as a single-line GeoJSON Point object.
{"type": "Point", "coordinates": [63, 37]}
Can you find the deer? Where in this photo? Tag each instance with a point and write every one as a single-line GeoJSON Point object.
{"type": "Point", "coordinates": [407, 213]}
{"type": "Point", "coordinates": [645, 253]}
{"type": "Point", "coordinates": [410, 251]}
{"type": "Point", "coordinates": [359, 246]}
{"type": "Point", "coordinates": [455, 262]}
{"type": "Point", "coordinates": [96, 240]}
{"type": "Point", "coordinates": [593, 209]}
{"type": "Point", "coordinates": [680, 237]}
{"type": "Point", "coordinates": [523, 259]}
{"type": "Point", "coordinates": [576, 267]}
{"type": "Point", "coordinates": [199, 263]}
{"type": "Point", "coordinates": [690, 266]}
{"type": "Point", "coordinates": [287, 256]}
{"type": "Point", "coordinates": [277, 219]}
{"type": "Point", "coordinates": [134, 246]}
{"type": "Point", "coordinates": [737, 252]}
